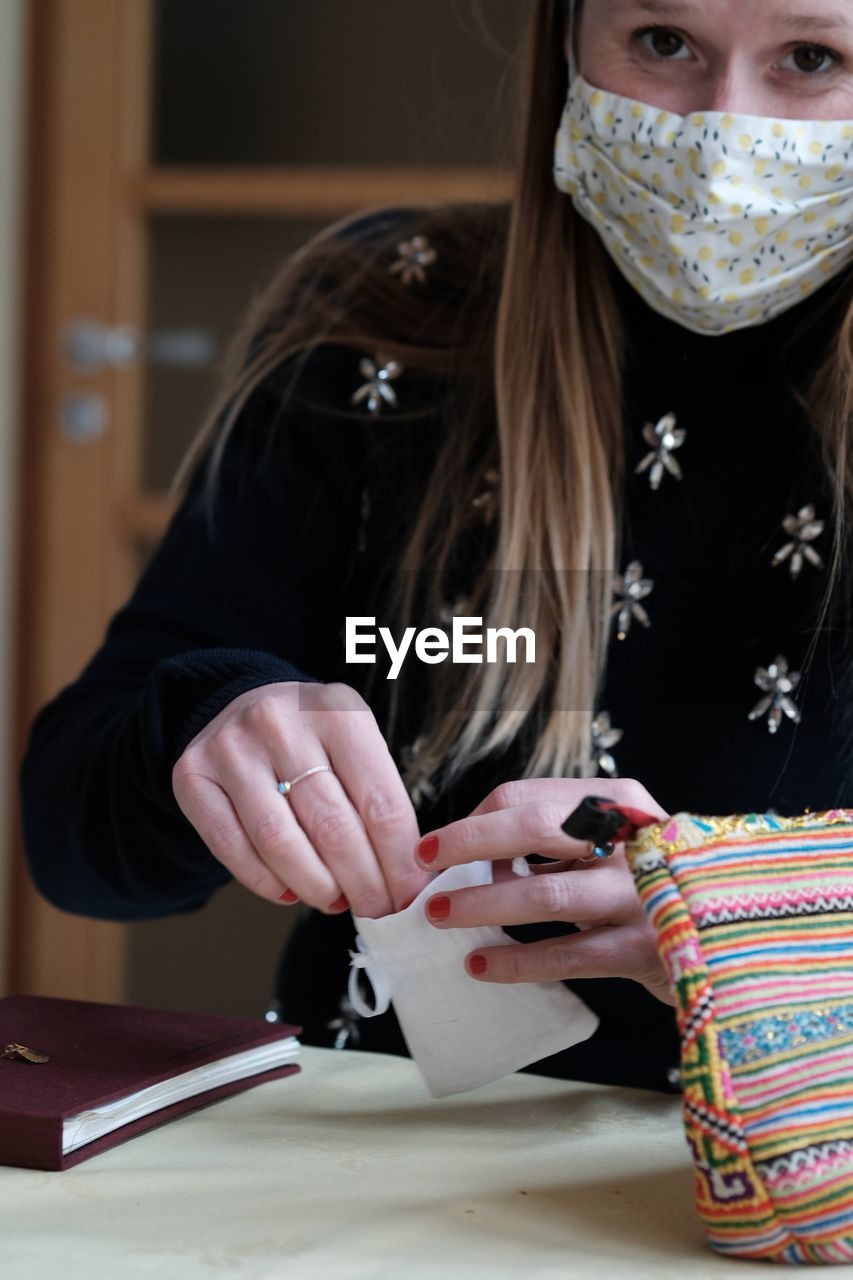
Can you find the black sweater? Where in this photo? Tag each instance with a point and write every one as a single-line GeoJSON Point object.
{"type": "Point", "coordinates": [312, 509]}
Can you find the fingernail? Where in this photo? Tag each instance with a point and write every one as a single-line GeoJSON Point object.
{"type": "Point", "coordinates": [428, 849]}
{"type": "Point", "coordinates": [340, 904]}
{"type": "Point", "coordinates": [438, 908]}
{"type": "Point", "coordinates": [289, 897]}
{"type": "Point", "coordinates": [477, 964]}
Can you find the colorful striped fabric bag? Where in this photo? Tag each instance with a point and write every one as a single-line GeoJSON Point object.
{"type": "Point", "coordinates": [754, 918]}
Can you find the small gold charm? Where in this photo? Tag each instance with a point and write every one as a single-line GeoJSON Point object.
{"type": "Point", "coordinates": [21, 1051]}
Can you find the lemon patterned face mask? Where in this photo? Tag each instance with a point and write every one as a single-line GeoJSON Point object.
{"type": "Point", "coordinates": [719, 220]}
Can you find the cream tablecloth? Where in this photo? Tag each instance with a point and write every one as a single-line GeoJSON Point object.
{"type": "Point", "coordinates": [350, 1172]}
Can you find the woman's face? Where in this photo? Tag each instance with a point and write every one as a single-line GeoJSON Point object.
{"type": "Point", "coordinates": [792, 59]}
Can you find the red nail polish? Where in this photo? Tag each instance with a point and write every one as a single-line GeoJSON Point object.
{"type": "Point", "coordinates": [428, 849]}
{"type": "Point", "coordinates": [289, 897]}
{"type": "Point", "coordinates": [340, 904]}
{"type": "Point", "coordinates": [477, 964]}
{"type": "Point", "coordinates": [438, 908]}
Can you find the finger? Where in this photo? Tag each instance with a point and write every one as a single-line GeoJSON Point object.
{"type": "Point", "coordinates": [207, 806]}
{"type": "Point", "coordinates": [608, 898]}
{"type": "Point", "coordinates": [601, 953]}
{"type": "Point", "coordinates": [367, 772]}
{"type": "Point", "coordinates": [568, 792]}
{"type": "Point", "coordinates": [273, 830]}
{"type": "Point", "coordinates": [544, 804]}
{"type": "Point", "coordinates": [504, 833]}
{"type": "Point", "coordinates": [337, 834]}
{"type": "Point", "coordinates": [531, 790]}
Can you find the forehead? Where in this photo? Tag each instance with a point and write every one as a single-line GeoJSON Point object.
{"type": "Point", "coordinates": [794, 16]}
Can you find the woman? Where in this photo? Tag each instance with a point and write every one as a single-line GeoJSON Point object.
{"type": "Point", "coordinates": [604, 414]}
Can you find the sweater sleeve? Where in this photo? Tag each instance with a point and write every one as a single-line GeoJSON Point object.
{"type": "Point", "coordinates": [244, 591]}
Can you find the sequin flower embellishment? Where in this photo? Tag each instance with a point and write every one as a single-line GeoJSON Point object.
{"type": "Point", "coordinates": [802, 529]}
{"type": "Point", "coordinates": [662, 439]}
{"type": "Point", "coordinates": [603, 736]}
{"type": "Point", "coordinates": [628, 591]}
{"type": "Point", "coordinates": [778, 683]}
{"type": "Point", "coordinates": [378, 387]}
{"type": "Point", "coordinates": [415, 256]}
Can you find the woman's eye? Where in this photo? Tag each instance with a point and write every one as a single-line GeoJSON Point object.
{"type": "Point", "coordinates": [663, 42]}
{"type": "Point", "coordinates": [811, 58]}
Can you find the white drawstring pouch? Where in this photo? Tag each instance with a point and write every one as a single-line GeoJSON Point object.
{"type": "Point", "coordinates": [461, 1032]}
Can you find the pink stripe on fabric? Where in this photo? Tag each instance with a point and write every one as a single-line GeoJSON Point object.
{"type": "Point", "coordinates": [828, 988]}
{"type": "Point", "coordinates": [756, 1094]}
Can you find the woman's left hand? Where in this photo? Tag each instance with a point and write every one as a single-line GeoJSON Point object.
{"type": "Point", "coordinates": [524, 817]}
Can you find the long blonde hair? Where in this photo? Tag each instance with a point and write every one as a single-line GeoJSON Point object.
{"type": "Point", "coordinates": [531, 341]}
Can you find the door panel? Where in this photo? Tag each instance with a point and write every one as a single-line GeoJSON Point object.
{"type": "Point", "coordinates": [84, 260]}
{"type": "Point", "coordinates": [178, 151]}
{"type": "Point", "coordinates": [332, 82]}
{"type": "Point", "coordinates": [202, 273]}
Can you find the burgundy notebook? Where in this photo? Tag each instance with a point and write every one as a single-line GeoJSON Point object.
{"type": "Point", "coordinates": [137, 1067]}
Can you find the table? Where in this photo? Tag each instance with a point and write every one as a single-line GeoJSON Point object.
{"type": "Point", "coordinates": [349, 1171]}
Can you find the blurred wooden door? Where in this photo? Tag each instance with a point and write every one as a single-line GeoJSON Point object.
{"type": "Point", "coordinates": [89, 66]}
{"type": "Point", "coordinates": [178, 150]}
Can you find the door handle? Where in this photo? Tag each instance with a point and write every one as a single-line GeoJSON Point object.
{"type": "Point", "coordinates": [90, 346]}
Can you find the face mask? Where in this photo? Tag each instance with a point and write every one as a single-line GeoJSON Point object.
{"type": "Point", "coordinates": [718, 220]}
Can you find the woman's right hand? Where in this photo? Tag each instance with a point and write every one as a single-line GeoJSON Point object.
{"type": "Point", "coordinates": [340, 840]}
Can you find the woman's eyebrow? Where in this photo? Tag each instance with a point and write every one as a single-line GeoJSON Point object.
{"type": "Point", "coordinates": [671, 8]}
{"type": "Point", "coordinates": [816, 21]}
